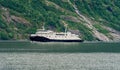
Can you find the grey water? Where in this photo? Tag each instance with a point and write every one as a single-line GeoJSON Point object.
{"type": "Point", "coordinates": [20, 55]}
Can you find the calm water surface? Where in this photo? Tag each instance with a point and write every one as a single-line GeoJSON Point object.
{"type": "Point", "coordinates": [59, 56]}
{"type": "Point", "coordinates": [59, 61]}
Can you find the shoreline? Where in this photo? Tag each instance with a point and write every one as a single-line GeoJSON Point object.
{"type": "Point", "coordinates": [60, 42]}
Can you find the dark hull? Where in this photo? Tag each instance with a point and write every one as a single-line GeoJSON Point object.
{"type": "Point", "coordinates": [43, 39]}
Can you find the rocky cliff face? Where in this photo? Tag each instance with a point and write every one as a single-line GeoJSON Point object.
{"type": "Point", "coordinates": [95, 20]}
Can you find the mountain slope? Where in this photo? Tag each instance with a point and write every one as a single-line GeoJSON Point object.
{"type": "Point", "coordinates": [95, 20]}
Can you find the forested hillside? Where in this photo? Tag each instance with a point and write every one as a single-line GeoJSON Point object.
{"type": "Point", "coordinates": [95, 19]}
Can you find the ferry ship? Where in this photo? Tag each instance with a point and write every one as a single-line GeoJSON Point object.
{"type": "Point", "coordinates": [43, 35]}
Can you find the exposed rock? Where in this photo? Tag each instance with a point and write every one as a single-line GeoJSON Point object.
{"type": "Point", "coordinates": [72, 13]}
{"type": "Point", "coordinates": [56, 6]}
{"type": "Point", "coordinates": [49, 3]}
{"type": "Point", "coordinates": [11, 18]}
{"type": "Point", "coordinates": [70, 18]}
{"type": "Point", "coordinates": [19, 20]}
{"type": "Point", "coordinates": [74, 31]}
{"type": "Point", "coordinates": [116, 37]}
{"type": "Point", "coordinates": [114, 33]}
{"type": "Point", "coordinates": [89, 24]}
{"type": "Point", "coordinates": [112, 30]}
{"type": "Point", "coordinates": [100, 36]}
{"type": "Point", "coordinates": [5, 14]}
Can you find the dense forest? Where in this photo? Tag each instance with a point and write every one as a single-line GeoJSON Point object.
{"type": "Point", "coordinates": [95, 19]}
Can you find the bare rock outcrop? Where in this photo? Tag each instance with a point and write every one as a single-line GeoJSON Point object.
{"type": "Point", "coordinates": [70, 18]}
{"type": "Point", "coordinates": [12, 18]}
{"type": "Point", "coordinates": [19, 20]}
{"type": "Point", "coordinates": [89, 24]}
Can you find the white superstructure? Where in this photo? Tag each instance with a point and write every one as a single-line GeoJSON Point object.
{"type": "Point", "coordinates": [43, 35]}
{"type": "Point", "coordinates": [56, 35]}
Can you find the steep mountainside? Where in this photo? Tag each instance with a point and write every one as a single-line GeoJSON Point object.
{"type": "Point", "coordinates": [95, 19]}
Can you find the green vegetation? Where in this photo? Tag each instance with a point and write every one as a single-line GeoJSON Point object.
{"type": "Point", "coordinates": [85, 32]}
{"type": "Point", "coordinates": [102, 9]}
{"type": "Point", "coordinates": [101, 29]}
{"type": "Point", "coordinates": [37, 12]}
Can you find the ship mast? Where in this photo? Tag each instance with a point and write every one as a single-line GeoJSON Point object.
{"type": "Point", "coordinates": [65, 27]}
{"type": "Point", "coordinates": [43, 26]}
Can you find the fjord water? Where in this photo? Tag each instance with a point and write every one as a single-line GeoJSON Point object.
{"type": "Point", "coordinates": [21, 55]}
